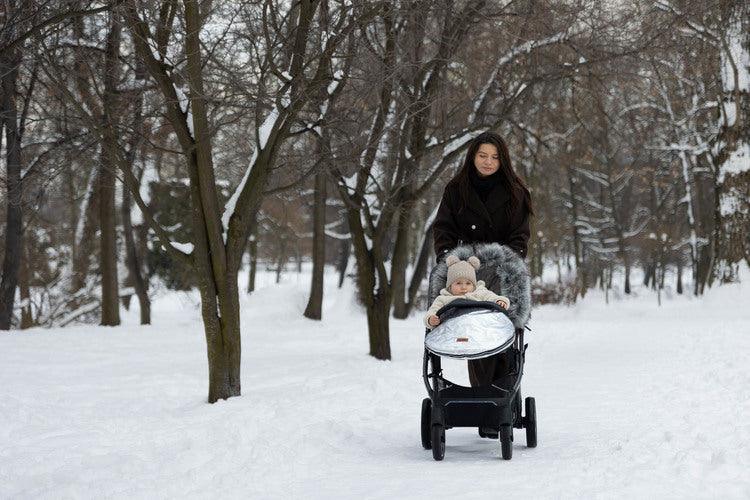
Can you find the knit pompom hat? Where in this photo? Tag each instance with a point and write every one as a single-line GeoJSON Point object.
{"type": "Point", "coordinates": [458, 268]}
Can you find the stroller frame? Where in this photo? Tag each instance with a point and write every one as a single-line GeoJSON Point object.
{"type": "Point", "coordinates": [496, 406]}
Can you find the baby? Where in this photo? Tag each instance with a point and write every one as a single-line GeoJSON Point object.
{"type": "Point", "coordinates": [462, 283]}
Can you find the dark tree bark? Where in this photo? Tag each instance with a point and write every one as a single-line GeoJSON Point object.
{"type": "Point", "coordinates": [733, 173]}
{"type": "Point", "coordinates": [24, 277]}
{"type": "Point", "coordinates": [134, 256]}
{"type": "Point", "coordinates": [581, 271]}
{"type": "Point", "coordinates": [253, 264]}
{"type": "Point", "coordinates": [400, 261]}
{"type": "Point", "coordinates": [418, 274]}
{"type": "Point", "coordinates": [420, 270]}
{"type": "Point", "coordinates": [282, 258]}
{"type": "Point", "coordinates": [374, 291]}
{"type": "Point", "coordinates": [315, 302]}
{"type": "Point", "coordinates": [648, 271]}
{"type": "Point", "coordinates": [83, 240]}
{"type": "Point", "coordinates": [10, 61]}
{"type": "Point", "coordinates": [134, 261]}
{"type": "Point", "coordinates": [345, 249]}
{"type": "Point", "coordinates": [110, 311]}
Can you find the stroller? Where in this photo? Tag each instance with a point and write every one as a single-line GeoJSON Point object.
{"type": "Point", "coordinates": [477, 330]}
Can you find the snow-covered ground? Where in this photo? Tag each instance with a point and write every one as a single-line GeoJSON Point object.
{"type": "Point", "coordinates": [633, 401]}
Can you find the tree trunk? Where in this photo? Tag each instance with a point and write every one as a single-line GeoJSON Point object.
{"type": "Point", "coordinates": [27, 320]}
{"type": "Point", "coordinates": [733, 165]}
{"type": "Point", "coordinates": [9, 63]}
{"type": "Point", "coordinates": [378, 315]}
{"type": "Point", "coordinates": [647, 269]}
{"type": "Point", "coordinates": [134, 257]}
{"type": "Point", "coordinates": [420, 270]}
{"type": "Point", "coordinates": [222, 337]}
{"type": "Point", "coordinates": [418, 274]}
{"type": "Point", "coordinates": [703, 269]}
{"type": "Point", "coordinates": [83, 238]}
{"type": "Point", "coordinates": [627, 274]}
{"type": "Point", "coordinates": [372, 288]}
{"type": "Point", "coordinates": [134, 261]}
{"type": "Point", "coordinates": [679, 278]}
{"type": "Point", "coordinates": [315, 303]}
{"type": "Point", "coordinates": [253, 251]}
{"type": "Point", "coordinates": [281, 260]}
{"type": "Point", "coordinates": [110, 314]}
{"type": "Point", "coordinates": [400, 261]}
{"type": "Point", "coordinates": [344, 252]}
{"type": "Point", "coordinates": [253, 264]}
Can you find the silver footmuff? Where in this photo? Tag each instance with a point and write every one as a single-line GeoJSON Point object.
{"type": "Point", "coordinates": [477, 333]}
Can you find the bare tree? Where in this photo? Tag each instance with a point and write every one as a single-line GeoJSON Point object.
{"type": "Point", "coordinates": [725, 27]}
{"type": "Point", "coordinates": [220, 240]}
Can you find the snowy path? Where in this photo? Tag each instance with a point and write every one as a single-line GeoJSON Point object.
{"type": "Point", "coordinates": [634, 401]}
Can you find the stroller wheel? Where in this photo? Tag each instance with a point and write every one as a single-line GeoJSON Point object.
{"type": "Point", "coordinates": [425, 424]}
{"type": "Point", "coordinates": [438, 442]}
{"type": "Point", "coordinates": [506, 441]}
{"type": "Point", "coordinates": [530, 422]}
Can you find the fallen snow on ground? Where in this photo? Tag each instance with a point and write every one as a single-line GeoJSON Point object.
{"type": "Point", "coordinates": [633, 401]}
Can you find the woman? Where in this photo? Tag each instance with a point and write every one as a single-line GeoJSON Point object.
{"type": "Point", "coordinates": [486, 202]}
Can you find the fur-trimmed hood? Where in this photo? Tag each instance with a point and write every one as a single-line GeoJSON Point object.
{"type": "Point", "coordinates": [503, 271]}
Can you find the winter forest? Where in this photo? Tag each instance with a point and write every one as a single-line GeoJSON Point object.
{"type": "Point", "coordinates": [161, 160]}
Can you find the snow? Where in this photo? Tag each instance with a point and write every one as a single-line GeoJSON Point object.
{"type": "Point", "coordinates": [735, 55]}
{"type": "Point", "coordinates": [150, 174]}
{"type": "Point", "coordinates": [335, 82]}
{"type": "Point", "coordinates": [232, 202]}
{"type": "Point", "coordinates": [186, 248]}
{"type": "Point", "coordinates": [153, 48]}
{"type": "Point", "coordinates": [184, 103]}
{"type": "Point", "coordinates": [350, 182]}
{"type": "Point", "coordinates": [459, 141]}
{"type": "Point", "coordinates": [737, 163]}
{"type": "Point", "coordinates": [633, 401]}
{"type": "Point", "coordinates": [731, 203]}
{"type": "Point", "coordinates": [83, 207]}
{"type": "Point", "coordinates": [729, 108]}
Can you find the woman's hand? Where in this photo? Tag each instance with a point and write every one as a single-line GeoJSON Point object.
{"type": "Point", "coordinates": [433, 320]}
{"type": "Point", "coordinates": [503, 303]}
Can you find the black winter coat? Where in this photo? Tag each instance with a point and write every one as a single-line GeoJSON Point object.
{"type": "Point", "coordinates": [479, 222]}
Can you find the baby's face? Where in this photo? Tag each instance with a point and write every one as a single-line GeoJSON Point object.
{"type": "Point", "coordinates": [461, 286]}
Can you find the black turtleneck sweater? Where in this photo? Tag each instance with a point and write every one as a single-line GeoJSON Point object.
{"type": "Point", "coordinates": [483, 185]}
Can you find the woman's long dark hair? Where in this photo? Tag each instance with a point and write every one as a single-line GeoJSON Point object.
{"type": "Point", "coordinates": [513, 183]}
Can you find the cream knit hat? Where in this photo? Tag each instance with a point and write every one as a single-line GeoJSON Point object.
{"type": "Point", "coordinates": [458, 268]}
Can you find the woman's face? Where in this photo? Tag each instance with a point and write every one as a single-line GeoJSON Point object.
{"type": "Point", "coordinates": [487, 160]}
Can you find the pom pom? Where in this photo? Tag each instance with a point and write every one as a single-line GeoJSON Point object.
{"type": "Point", "coordinates": [451, 259]}
{"type": "Point", "coordinates": [474, 262]}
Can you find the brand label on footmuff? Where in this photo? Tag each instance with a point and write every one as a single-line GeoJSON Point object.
{"type": "Point", "coordinates": [473, 335]}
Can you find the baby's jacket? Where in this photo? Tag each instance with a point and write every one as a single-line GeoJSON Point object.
{"type": "Point", "coordinates": [480, 293]}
